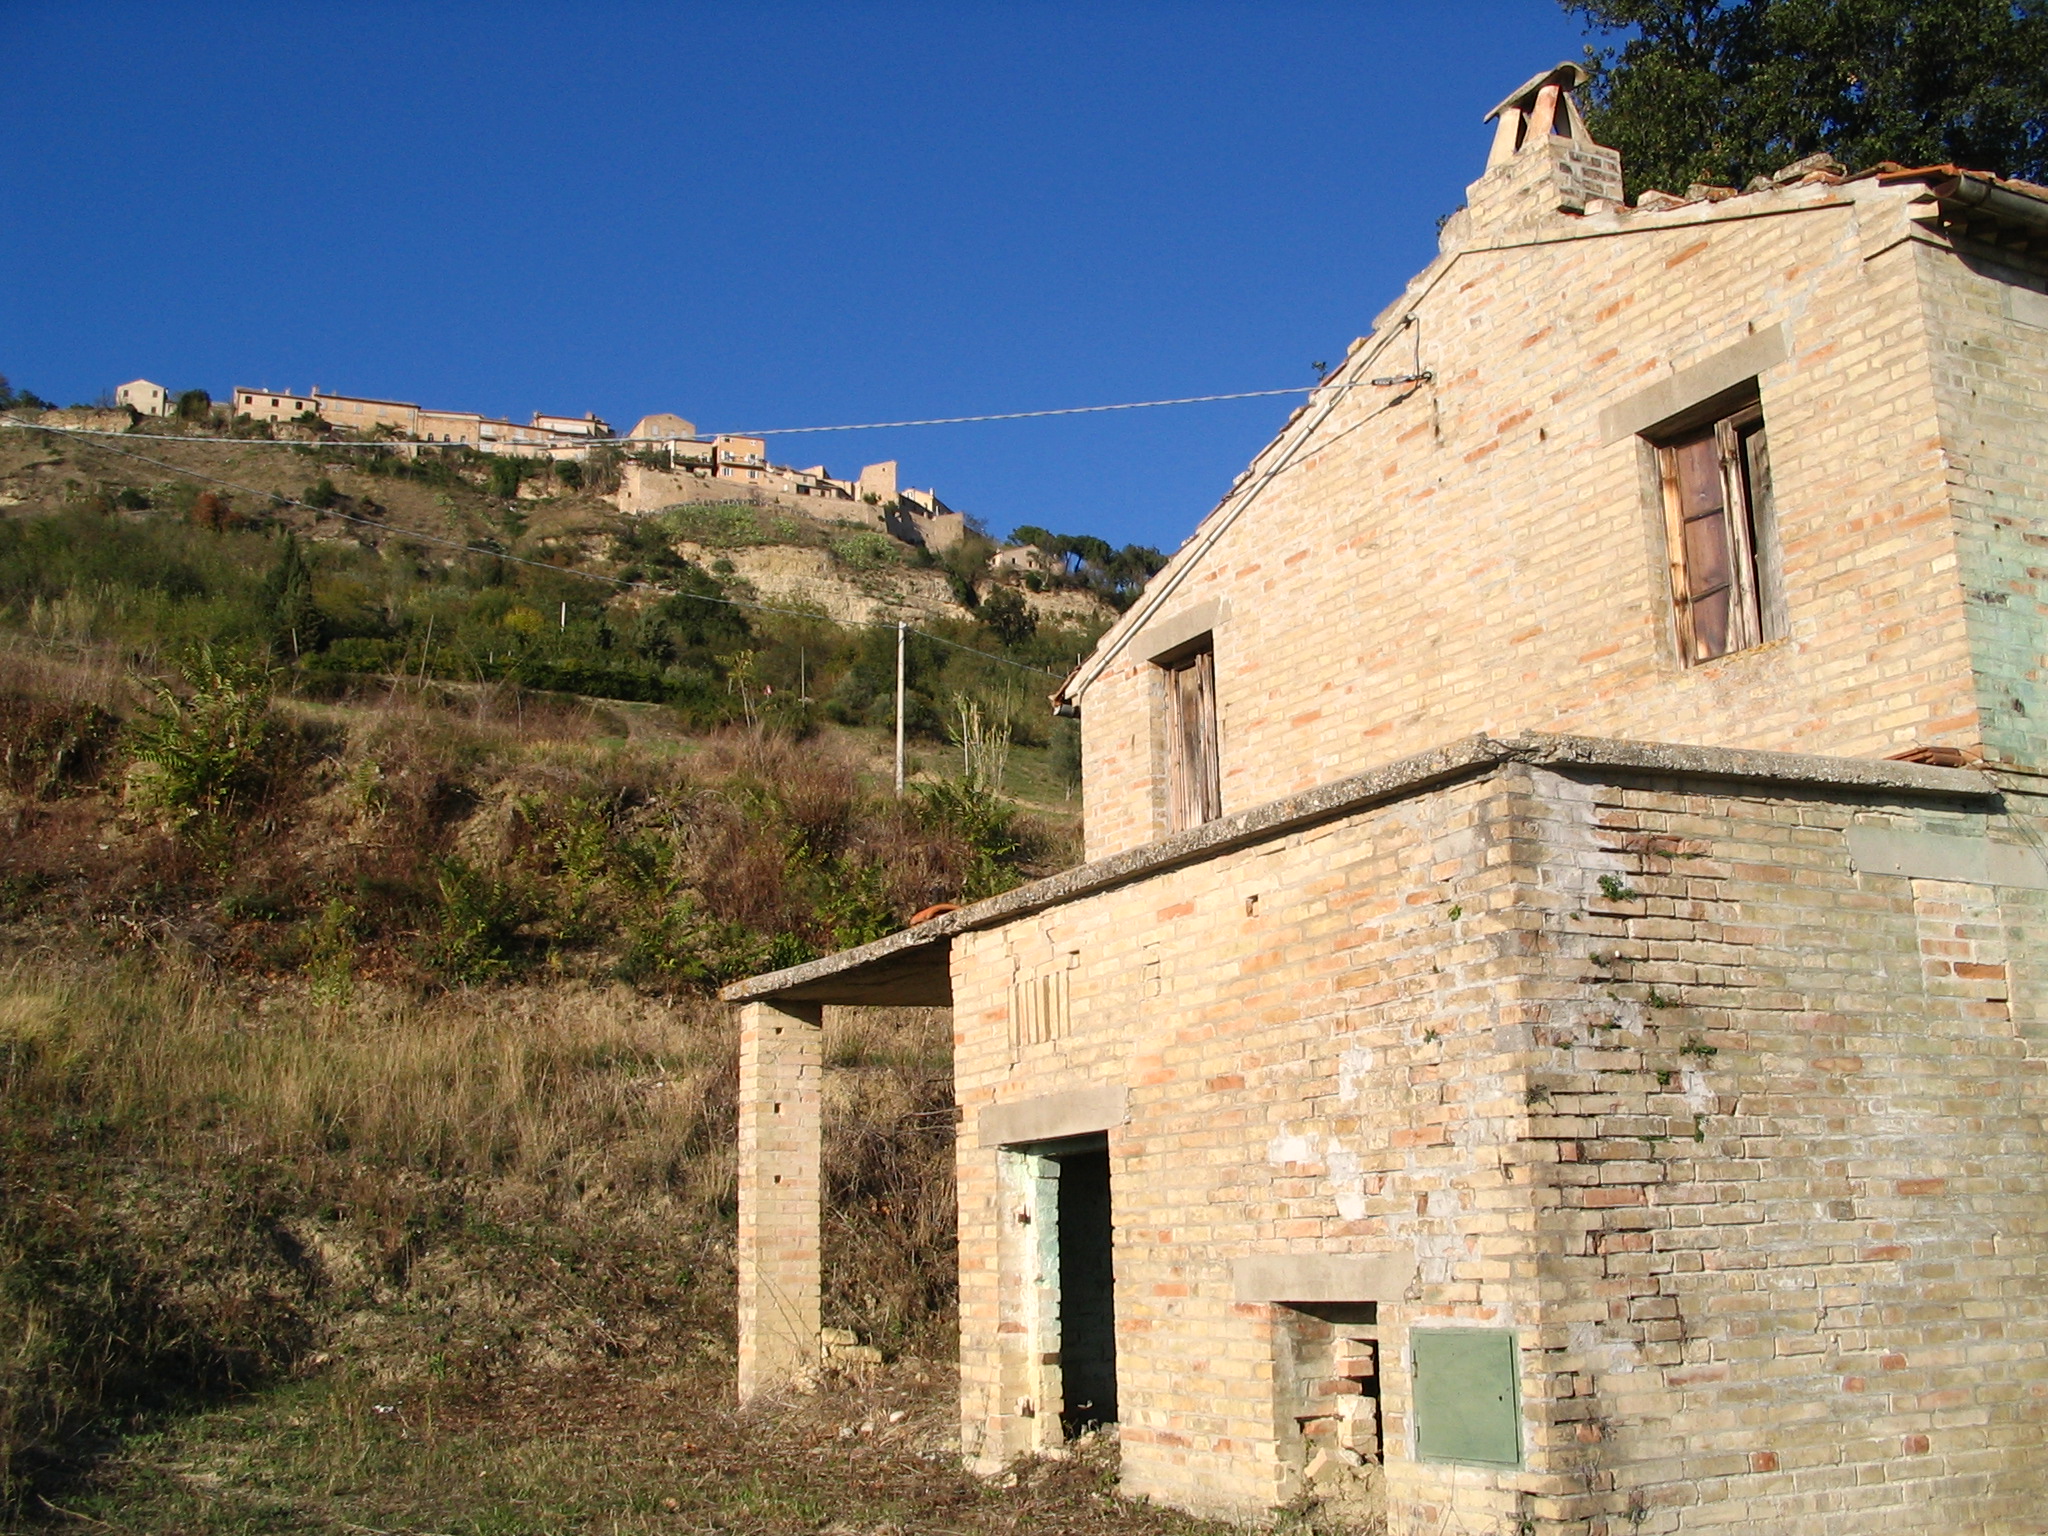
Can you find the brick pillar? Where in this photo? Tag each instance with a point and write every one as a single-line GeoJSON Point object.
{"type": "Point", "coordinates": [782, 1067]}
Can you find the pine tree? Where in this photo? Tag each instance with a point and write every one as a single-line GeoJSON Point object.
{"type": "Point", "coordinates": [1721, 91]}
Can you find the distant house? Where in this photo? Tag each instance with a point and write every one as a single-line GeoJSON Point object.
{"type": "Point", "coordinates": [451, 427]}
{"type": "Point", "coordinates": [361, 413]}
{"type": "Point", "coordinates": [142, 396]}
{"type": "Point", "coordinates": [662, 427]}
{"type": "Point", "coordinates": [589, 424]}
{"type": "Point", "coordinates": [273, 404]}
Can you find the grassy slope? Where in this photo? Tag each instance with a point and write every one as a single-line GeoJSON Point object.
{"type": "Point", "coordinates": [281, 1129]}
{"type": "Point", "coordinates": [365, 1142]}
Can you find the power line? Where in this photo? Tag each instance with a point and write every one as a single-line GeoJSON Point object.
{"type": "Point", "coordinates": [1069, 410]}
{"type": "Point", "coordinates": [474, 549]}
{"type": "Point", "coordinates": [627, 442]}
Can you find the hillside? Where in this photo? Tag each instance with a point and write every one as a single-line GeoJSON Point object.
{"type": "Point", "coordinates": [365, 1115]}
{"type": "Point", "coordinates": [414, 563]}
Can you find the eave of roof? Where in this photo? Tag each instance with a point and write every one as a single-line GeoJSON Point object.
{"type": "Point", "coordinates": [908, 967]}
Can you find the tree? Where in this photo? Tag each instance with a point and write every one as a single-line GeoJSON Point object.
{"type": "Point", "coordinates": [1008, 617]}
{"type": "Point", "coordinates": [295, 620]}
{"type": "Point", "coordinates": [195, 405]}
{"type": "Point", "coordinates": [12, 399]}
{"type": "Point", "coordinates": [1723, 91]}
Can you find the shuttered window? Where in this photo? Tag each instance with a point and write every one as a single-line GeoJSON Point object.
{"type": "Point", "coordinates": [1194, 792]}
{"type": "Point", "coordinates": [1716, 482]}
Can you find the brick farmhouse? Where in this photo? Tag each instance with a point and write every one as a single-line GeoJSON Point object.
{"type": "Point", "coordinates": [1550, 1035]}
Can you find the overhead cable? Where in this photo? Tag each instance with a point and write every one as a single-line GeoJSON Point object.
{"type": "Point", "coordinates": [662, 442]}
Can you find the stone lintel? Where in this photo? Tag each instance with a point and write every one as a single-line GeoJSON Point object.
{"type": "Point", "coordinates": [1161, 637]}
{"type": "Point", "coordinates": [1321, 1277]}
{"type": "Point", "coordinates": [1077, 1112]}
{"type": "Point", "coordinates": [1695, 385]}
{"type": "Point", "coordinates": [1938, 856]}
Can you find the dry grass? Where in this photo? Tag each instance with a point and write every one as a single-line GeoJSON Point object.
{"type": "Point", "coordinates": [205, 1190]}
{"type": "Point", "coordinates": [268, 1160]}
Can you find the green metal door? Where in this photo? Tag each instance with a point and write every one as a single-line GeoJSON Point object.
{"type": "Point", "coordinates": [1467, 1402]}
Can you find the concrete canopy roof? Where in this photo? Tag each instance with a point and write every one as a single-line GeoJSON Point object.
{"type": "Point", "coordinates": [1569, 75]}
{"type": "Point", "coordinates": [913, 967]}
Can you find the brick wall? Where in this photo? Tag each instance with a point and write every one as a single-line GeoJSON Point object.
{"type": "Point", "coordinates": [1989, 317]}
{"type": "Point", "coordinates": [1471, 555]}
{"type": "Point", "coordinates": [1742, 1141]}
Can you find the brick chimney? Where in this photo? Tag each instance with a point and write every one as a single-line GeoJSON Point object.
{"type": "Point", "coordinates": [1543, 161]}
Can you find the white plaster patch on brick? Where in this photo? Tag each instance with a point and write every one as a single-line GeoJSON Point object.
{"type": "Point", "coordinates": [1606, 1355]}
{"type": "Point", "coordinates": [1698, 1097]}
{"type": "Point", "coordinates": [1341, 1165]}
{"type": "Point", "coordinates": [1352, 1070]}
{"type": "Point", "coordinates": [1347, 1181]}
{"type": "Point", "coordinates": [1440, 1251]}
{"type": "Point", "coordinates": [1284, 1150]}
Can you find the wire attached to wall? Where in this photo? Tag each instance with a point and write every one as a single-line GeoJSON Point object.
{"type": "Point", "coordinates": [666, 442]}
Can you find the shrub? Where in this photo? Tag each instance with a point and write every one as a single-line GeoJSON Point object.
{"type": "Point", "coordinates": [208, 750]}
{"type": "Point", "coordinates": [480, 916]}
{"type": "Point", "coordinates": [505, 476]}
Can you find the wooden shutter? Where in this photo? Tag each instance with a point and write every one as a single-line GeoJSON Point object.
{"type": "Point", "coordinates": [1709, 542]}
{"type": "Point", "coordinates": [1194, 790]}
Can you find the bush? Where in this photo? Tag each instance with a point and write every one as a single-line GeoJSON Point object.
{"type": "Point", "coordinates": [208, 749]}
{"type": "Point", "coordinates": [505, 476]}
{"type": "Point", "coordinates": [480, 917]}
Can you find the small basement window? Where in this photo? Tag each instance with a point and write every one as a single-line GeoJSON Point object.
{"type": "Point", "coordinates": [1719, 543]}
{"type": "Point", "coordinates": [1194, 791]}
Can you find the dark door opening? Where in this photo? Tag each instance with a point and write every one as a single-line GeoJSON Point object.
{"type": "Point", "coordinates": [1087, 1291]}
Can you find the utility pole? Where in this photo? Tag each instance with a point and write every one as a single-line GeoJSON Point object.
{"type": "Point", "coordinates": [899, 709]}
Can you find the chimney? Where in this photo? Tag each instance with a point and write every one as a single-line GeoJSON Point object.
{"type": "Point", "coordinates": [1543, 162]}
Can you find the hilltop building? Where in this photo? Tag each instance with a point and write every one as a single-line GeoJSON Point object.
{"type": "Point", "coordinates": [144, 397]}
{"type": "Point", "coordinates": [545, 437]}
{"type": "Point", "coordinates": [1552, 1033]}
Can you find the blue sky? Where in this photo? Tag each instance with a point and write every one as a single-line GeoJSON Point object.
{"type": "Point", "coordinates": [756, 216]}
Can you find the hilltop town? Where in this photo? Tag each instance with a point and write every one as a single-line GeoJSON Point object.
{"type": "Point", "coordinates": [672, 463]}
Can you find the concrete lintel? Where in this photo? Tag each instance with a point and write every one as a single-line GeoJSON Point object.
{"type": "Point", "coordinates": [1162, 637]}
{"type": "Point", "coordinates": [1077, 1112]}
{"type": "Point", "coordinates": [2026, 306]}
{"type": "Point", "coordinates": [845, 977]}
{"type": "Point", "coordinates": [1937, 856]}
{"type": "Point", "coordinates": [1321, 1277]}
{"type": "Point", "coordinates": [1702, 381]}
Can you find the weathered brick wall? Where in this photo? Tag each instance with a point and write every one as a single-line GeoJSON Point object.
{"type": "Point", "coordinates": [1470, 555]}
{"type": "Point", "coordinates": [1796, 1222]}
{"type": "Point", "coordinates": [1989, 315]}
{"type": "Point", "coordinates": [1745, 1144]}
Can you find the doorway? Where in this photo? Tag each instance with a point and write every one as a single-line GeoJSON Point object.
{"type": "Point", "coordinates": [1087, 1288]}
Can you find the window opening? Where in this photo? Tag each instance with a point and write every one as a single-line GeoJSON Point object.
{"type": "Point", "coordinates": [1332, 1373]}
{"type": "Point", "coordinates": [1194, 791]}
{"type": "Point", "coordinates": [1716, 490]}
